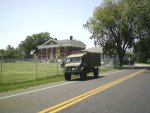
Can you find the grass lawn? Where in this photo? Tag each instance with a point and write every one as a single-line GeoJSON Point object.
{"type": "Point", "coordinates": [23, 74]}
{"type": "Point", "coordinates": [27, 71]}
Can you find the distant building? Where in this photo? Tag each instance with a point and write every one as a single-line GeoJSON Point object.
{"type": "Point", "coordinates": [47, 51]}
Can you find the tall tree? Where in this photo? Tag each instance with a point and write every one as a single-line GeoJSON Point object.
{"type": "Point", "coordinates": [142, 46]}
{"type": "Point", "coordinates": [115, 25]}
{"type": "Point", "coordinates": [142, 50]}
{"type": "Point", "coordinates": [30, 44]}
{"type": "Point", "coordinates": [9, 52]}
{"type": "Point", "coordinates": [2, 52]}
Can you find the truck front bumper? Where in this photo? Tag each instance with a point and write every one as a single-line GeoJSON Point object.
{"type": "Point", "coordinates": [73, 72]}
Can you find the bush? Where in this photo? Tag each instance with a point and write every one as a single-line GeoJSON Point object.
{"type": "Point", "coordinates": [148, 61]}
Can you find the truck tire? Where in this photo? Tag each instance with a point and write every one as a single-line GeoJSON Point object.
{"type": "Point", "coordinates": [67, 77]}
{"type": "Point", "coordinates": [83, 75]}
{"type": "Point", "coordinates": [96, 73]}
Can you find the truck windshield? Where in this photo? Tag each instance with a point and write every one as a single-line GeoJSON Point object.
{"type": "Point", "coordinates": [74, 60]}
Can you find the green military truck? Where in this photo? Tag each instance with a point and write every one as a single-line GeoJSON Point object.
{"type": "Point", "coordinates": [81, 64]}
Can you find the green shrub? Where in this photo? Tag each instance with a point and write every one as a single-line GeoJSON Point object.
{"type": "Point", "coordinates": [148, 61]}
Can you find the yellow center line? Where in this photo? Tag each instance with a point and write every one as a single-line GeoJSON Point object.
{"type": "Point", "coordinates": [81, 97]}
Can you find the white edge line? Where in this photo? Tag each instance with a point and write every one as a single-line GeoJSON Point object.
{"type": "Point", "coordinates": [5, 97]}
{"type": "Point", "coordinates": [35, 90]}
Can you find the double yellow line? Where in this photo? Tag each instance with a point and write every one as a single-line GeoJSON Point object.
{"type": "Point", "coordinates": [81, 97]}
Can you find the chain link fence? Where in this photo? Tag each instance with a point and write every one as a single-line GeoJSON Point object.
{"type": "Point", "coordinates": [27, 69]}
{"type": "Point", "coordinates": [14, 70]}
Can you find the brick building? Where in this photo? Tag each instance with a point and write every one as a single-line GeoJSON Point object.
{"type": "Point", "coordinates": [47, 51]}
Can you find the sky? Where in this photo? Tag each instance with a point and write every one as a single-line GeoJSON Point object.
{"type": "Point", "coordinates": [61, 18]}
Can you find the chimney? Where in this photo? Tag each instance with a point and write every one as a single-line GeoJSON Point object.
{"type": "Point", "coordinates": [71, 37]}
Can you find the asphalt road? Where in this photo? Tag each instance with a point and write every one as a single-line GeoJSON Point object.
{"type": "Point", "coordinates": [126, 91]}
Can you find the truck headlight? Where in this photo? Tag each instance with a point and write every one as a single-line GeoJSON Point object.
{"type": "Point", "coordinates": [75, 68]}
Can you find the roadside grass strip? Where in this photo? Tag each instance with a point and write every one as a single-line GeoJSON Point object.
{"type": "Point", "coordinates": [43, 81]}
{"type": "Point", "coordinates": [81, 97]}
{"type": "Point", "coordinates": [51, 79]}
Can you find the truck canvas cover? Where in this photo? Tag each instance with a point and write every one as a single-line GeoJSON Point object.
{"type": "Point", "coordinates": [76, 55]}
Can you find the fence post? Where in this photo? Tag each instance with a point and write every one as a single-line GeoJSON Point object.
{"type": "Point", "coordinates": [1, 68]}
{"type": "Point", "coordinates": [36, 61]}
{"type": "Point", "coordinates": [57, 67]}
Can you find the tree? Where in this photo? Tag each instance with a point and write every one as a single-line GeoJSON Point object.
{"type": "Point", "coordinates": [59, 54]}
{"type": "Point", "coordinates": [142, 47]}
{"type": "Point", "coordinates": [9, 52]}
{"type": "Point", "coordinates": [116, 25]}
{"type": "Point", "coordinates": [18, 53]}
{"type": "Point", "coordinates": [142, 50]}
{"type": "Point", "coordinates": [29, 45]}
{"type": "Point", "coordinates": [2, 52]}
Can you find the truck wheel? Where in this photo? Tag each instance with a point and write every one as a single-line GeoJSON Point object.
{"type": "Point", "coordinates": [83, 75]}
{"type": "Point", "coordinates": [96, 73]}
{"type": "Point", "coordinates": [67, 77]}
